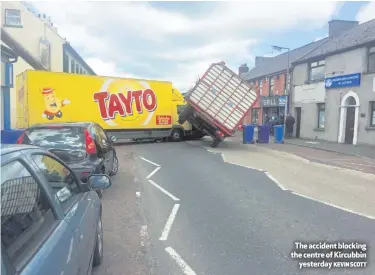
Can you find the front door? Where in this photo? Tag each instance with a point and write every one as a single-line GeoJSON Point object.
{"type": "Point", "coordinates": [298, 121]}
{"type": "Point", "coordinates": [349, 128]}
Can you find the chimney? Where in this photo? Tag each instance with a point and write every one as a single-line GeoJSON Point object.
{"type": "Point", "coordinates": [336, 27]}
{"type": "Point", "coordinates": [243, 69]}
{"type": "Point", "coordinates": [260, 59]}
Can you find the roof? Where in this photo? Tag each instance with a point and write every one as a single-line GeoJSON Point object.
{"type": "Point", "coordinates": [11, 148]}
{"type": "Point", "coordinates": [7, 52]}
{"type": "Point", "coordinates": [352, 38]}
{"type": "Point", "coordinates": [69, 48]}
{"type": "Point", "coordinates": [62, 124]}
{"type": "Point", "coordinates": [279, 63]}
{"type": "Point", "coordinates": [19, 50]}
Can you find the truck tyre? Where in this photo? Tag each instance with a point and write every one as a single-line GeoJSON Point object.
{"type": "Point", "coordinates": [177, 135]}
{"type": "Point", "coordinates": [215, 143]}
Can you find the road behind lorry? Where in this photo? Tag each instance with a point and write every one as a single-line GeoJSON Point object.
{"type": "Point", "coordinates": [126, 108]}
{"type": "Point", "coordinates": [218, 103]}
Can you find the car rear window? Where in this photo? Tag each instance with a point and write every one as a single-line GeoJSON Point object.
{"type": "Point", "coordinates": [72, 138]}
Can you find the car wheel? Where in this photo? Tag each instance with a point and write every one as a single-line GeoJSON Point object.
{"type": "Point", "coordinates": [98, 251]}
{"type": "Point", "coordinates": [114, 167]}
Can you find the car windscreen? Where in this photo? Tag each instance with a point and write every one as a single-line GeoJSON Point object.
{"type": "Point", "coordinates": [65, 138]}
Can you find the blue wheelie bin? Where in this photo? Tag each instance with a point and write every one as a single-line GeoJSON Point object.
{"type": "Point", "coordinates": [248, 134]}
{"type": "Point", "coordinates": [264, 133]}
{"type": "Point", "coordinates": [278, 134]}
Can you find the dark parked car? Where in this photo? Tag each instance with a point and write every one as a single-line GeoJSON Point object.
{"type": "Point", "coordinates": [84, 146]}
{"type": "Point", "coordinates": [51, 222]}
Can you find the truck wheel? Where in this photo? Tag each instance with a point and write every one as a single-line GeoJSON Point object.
{"type": "Point", "coordinates": [215, 143]}
{"type": "Point", "coordinates": [177, 135]}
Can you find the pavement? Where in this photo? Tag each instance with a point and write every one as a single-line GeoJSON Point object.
{"type": "Point", "coordinates": [362, 150]}
{"type": "Point", "coordinates": [185, 208]}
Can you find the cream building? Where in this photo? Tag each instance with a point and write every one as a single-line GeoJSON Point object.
{"type": "Point", "coordinates": [38, 45]}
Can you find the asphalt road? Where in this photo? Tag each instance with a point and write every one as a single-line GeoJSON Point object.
{"type": "Point", "coordinates": [228, 219]}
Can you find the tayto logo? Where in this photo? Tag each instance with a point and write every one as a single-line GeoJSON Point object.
{"type": "Point", "coordinates": [163, 120]}
{"type": "Point", "coordinates": [122, 104]}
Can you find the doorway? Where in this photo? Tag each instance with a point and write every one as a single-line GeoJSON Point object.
{"type": "Point", "coordinates": [298, 121]}
{"type": "Point", "coordinates": [349, 114]}
{"type": "Point", "coordinates": [350, 117]}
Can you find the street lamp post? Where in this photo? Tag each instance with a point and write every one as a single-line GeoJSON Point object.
{"type": "Point", "coordinates": [278, 48]}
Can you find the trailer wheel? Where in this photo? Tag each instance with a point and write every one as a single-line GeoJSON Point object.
{"type": "Point", "coordinates": [185, 114]}
{"type": "Point", "coordinates": [215, 143]}
{"type": "Point", "coordinates": [177, 135]}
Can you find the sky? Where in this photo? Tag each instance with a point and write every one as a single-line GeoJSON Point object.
{"type": "Point", "coordinates": [177, 41]}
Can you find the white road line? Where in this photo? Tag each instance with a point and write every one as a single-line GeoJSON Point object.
{"type": "Point", "coordinates": [181, 263]}
{"type": "Point", "coordinates": [149, 161]}
{"type": "Point", "coordinates": [153, 172]}
{"type": "Point", "coordinates": [138, 194]}
{"type": "Point", "coordinates": [168, 225]}
{"type": "Point", "coordinates": [338, 207]}
{"type": "Point", "coordinates": [282, 187]}
{"type": "Point", "coordinates": [163, 190]}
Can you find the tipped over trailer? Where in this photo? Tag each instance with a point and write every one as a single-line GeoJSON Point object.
{"type": "Point", "coordinates": [218, 103]}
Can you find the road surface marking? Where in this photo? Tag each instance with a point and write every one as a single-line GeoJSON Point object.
{"type": "Point", "coordinates": [282, 187]}
{"type": "Point", "coordinates": [138, 194]}
{"type": "Point", "coordinates": [163, 190]}
{"type": "Point", "coordinates": [153, 172]}
{"type": "Point", "coordinates": [149, 161]}
{"type": "Point", "coordinates": [168, 225]}
{"type": "Point", "coordinates": [181, 263]}
{"type": "Point", "coordinates": [332, 205]}
{"type": "Point", "coordinates": [144, 234]}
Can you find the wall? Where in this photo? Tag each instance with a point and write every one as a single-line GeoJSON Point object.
{"type": "Point", "coordinates": [29, 35]}
{"type": "Point", "coordinates": [307, 96]}
{"type": "Point", "coordinates": [32, 30]}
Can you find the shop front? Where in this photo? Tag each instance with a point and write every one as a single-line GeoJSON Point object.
{"type": "Point", "coordinates": [272, 105]}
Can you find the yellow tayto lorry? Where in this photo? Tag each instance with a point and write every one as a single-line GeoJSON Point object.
{"type": "Point", "coordinates": [126, 108]}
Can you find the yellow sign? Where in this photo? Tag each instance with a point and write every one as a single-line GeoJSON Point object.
{"type": "Point", "coordinates": [114, 103]}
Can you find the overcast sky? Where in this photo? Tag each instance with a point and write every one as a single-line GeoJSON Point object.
{"type": "Point", "coordinates": [177, 41]}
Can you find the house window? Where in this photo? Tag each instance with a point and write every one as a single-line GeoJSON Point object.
{"type": "Point", "coordinates": [72, 66]}
{"type": "Point", "coordinates": [372, 114]}
{"type": "Point", "coordinates": [321, 115]}
{"type": "Point", "coordinates": [272, 85]}
{"type": "Point", "coordinates": [285, 82]}
{"type": "Point", "coordinates": [317, 70]}
{"type": "Point", "coordinates": [254, 116]}
{"type": "Point", "coordinates": [260, 85]}
{"type": "Point", "coordinates": [77, 69]}
{"type": "Point", "coordinates": [13, 18]}
{"type": "Point", "coordinates": [371, 59]}
{"type": "Point", "coordinates": [66, 63]}
{"type": "Point", "coordinates": [80, 71]}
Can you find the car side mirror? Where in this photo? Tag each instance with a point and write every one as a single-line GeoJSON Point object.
{"type": "Point", "coordinates": [99, 182]}
{"type": "Point", "coordinates": [113, 138]}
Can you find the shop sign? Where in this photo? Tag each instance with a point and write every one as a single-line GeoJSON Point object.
{"type": "Point", "coordinates": [272, 101]}
{"type": "Point", "coordinates": [341, 81]}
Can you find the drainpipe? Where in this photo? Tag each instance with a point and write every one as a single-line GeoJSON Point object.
{"type": "Point", "coordinates": [6, 92]}
{"type": "Point", "coordinates": [339, 118]}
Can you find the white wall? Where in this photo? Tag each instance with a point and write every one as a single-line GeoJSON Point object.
{"type": "Point", "coordinates": [29, 35]}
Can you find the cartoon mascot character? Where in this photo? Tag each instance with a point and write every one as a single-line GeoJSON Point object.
{"type": "Point", "coordinates": [52, 104]}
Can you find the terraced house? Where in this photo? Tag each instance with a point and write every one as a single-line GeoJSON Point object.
{"type": "Point", "coordinates": [332, 91]}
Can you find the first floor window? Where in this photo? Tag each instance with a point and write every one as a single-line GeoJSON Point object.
{"type": "Point", "coordinates": [317, 70]}
{"type": "Point", "coordinates": [321, 115]}
{"type": "Point", "coordinates": [371, 59]}
{"type": "Point", "coordinates": [13, 18]}
{"type": "Point", "coordinates": [372, 114]}
{"type": "Point", "coordinates": [72, 66]}
{"type": "Point", "coordinates": [254, 116]}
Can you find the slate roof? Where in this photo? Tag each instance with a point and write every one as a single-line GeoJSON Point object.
{"type": "Point", "coordinates": [279, 63]}
{"type": "Point", "coordinates": [349, 39]}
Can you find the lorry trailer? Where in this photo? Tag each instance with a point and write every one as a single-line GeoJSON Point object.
{"type": "Point", "coordinates": [218, 102]}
